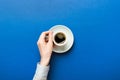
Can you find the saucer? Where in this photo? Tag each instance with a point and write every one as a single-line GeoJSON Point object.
{"type": "Point", "coordinates": [69, 37]}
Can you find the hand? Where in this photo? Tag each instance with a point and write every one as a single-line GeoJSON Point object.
{"type": "Point", "coordinates": [45, 47]}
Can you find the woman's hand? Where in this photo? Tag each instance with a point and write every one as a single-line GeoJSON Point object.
{"type": "Point", "coordinates": [45, 45]}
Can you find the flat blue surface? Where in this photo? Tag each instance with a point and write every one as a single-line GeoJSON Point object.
{"type": "Point", "coordinates": [96, 27]}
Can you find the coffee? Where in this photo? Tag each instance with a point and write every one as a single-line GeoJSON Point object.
{"type": "Point", "coordinates": [60, 38]}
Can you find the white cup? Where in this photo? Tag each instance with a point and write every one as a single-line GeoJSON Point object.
{"type": "Point", "coordinates": [59, 38]}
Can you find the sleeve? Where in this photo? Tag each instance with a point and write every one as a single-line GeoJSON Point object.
{"type": "Point", "coordinates": [41, 72]}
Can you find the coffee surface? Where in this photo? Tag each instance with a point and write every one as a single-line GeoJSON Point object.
{"type": "Point", "coordinates": [60, 38]}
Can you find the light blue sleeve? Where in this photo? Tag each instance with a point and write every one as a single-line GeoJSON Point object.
{"type": "Point", "coordinates": [41, 72]}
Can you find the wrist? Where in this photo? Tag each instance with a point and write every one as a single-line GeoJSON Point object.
{"type": "Point", "coordinates": [45, 61]}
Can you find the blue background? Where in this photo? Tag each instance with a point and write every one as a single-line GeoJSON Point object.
{"type": "Point", "coordinates": [96, 27]}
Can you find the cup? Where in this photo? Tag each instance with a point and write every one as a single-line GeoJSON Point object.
{"type": "Point", "coordinates": [59, 38]}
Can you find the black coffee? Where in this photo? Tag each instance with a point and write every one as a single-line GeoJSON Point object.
{"type": "Point", "coordinates": [59, 38]}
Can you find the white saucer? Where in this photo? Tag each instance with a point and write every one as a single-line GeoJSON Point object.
{"type": "Point", "coordinates": [69, 36]}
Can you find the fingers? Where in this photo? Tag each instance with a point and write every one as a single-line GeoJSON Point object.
{"type": "Point", "coordinates": [50, 36]}
{"type": "Point", "coordinates": [45, 37]}
{"type": "Point", "coordinates": [42, 37]}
